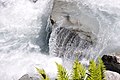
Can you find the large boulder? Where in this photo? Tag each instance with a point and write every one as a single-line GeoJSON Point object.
{"type": "Point", "coordinates": [71, 32]}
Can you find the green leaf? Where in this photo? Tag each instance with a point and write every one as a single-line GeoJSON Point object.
{"type": "Point", "coordinates": [79, 71]}
{"type": "Point", "coordinates": [42, 74]}
{"type": "Point", "coordinates": [100, 70]}
{"type": "Point", "coordinates": [62, 73]}
{"type": "Point", "coordinates": [96, 71]}
{"type": "Point", "coordinates": [92, 71]}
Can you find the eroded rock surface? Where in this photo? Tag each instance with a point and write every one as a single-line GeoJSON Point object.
{"type": "Point", "coordinates": [62, 8]}
{"type": "Point", "coordinates": [112, 75]}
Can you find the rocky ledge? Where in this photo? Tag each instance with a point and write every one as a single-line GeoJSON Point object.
{"type": "Point", "coordinates": [112, 63]}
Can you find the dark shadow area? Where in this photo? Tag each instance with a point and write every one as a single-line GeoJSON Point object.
{"type": "Point", "coordinates": [44, 35]}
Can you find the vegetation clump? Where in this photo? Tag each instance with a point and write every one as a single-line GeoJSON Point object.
{"type": "Point", "coordinates": [79, 72]}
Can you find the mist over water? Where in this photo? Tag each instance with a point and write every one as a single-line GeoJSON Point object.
{"type": "Point", "coordinates": [22, 36]}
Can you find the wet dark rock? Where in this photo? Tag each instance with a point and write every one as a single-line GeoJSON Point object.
{"type": "Point", "coordinates": [111, 63]}
{"type": "Point", "coordinates": [52, 21]}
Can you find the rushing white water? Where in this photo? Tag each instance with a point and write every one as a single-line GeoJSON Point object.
{"type": "Point", "coordinates": [106, 13]}
{"type": "Point", "coordinates": [15, 65]}
{"type": "Point", "coordinates": [22, 24]}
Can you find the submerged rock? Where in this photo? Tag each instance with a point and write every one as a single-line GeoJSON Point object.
{"type": "Point", "coordinates": [64, 42]}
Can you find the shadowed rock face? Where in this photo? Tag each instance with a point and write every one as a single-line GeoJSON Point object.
{"type": "Point", "coordinates": [111, 63]}
{"type": "Point", "coordinates": [67, 41]}
{"type": "Point", "coordinates": [46, 28]}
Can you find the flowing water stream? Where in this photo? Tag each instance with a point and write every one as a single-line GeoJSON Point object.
{"type": "Point", "coordinates": [23, 31]}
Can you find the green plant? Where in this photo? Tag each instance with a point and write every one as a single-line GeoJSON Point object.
{"type": "Point", "coordinates": [79, 71]}
{"type": "Point", "coordinates": [101, 69]}
{"type": "Point", "coordinates": [42, 74]}
{"type": "Point", "coordinates": [62, 73]}
{"type": "Point", "coordinates": [95, 72]}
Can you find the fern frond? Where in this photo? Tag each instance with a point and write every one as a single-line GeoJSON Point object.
{"type": "Point", "coordinates": [62, 73]}
{"type": "Point", "coordinates": [100, 70]}
{"type": "Point", "coordinates": [92, 71]}
{"type": "Point", "coordinates": [79, 71]}
{"type": "Point", "coordinates": [96, 71]}
{"type": "Point", "coordinates": [42, 74]}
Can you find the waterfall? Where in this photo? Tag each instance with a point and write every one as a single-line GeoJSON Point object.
{"type": "Point", "coordinates": [65, 42]}
{"type": "Point", "coordinates": [99, 18]}
{"type": "Point", "coordinates": [29, 40]}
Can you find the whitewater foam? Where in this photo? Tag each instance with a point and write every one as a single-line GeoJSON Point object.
{"type": "Point", "coordinates": [13, 66]}
{"type": "Point", "coordinates": [20, 25]}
